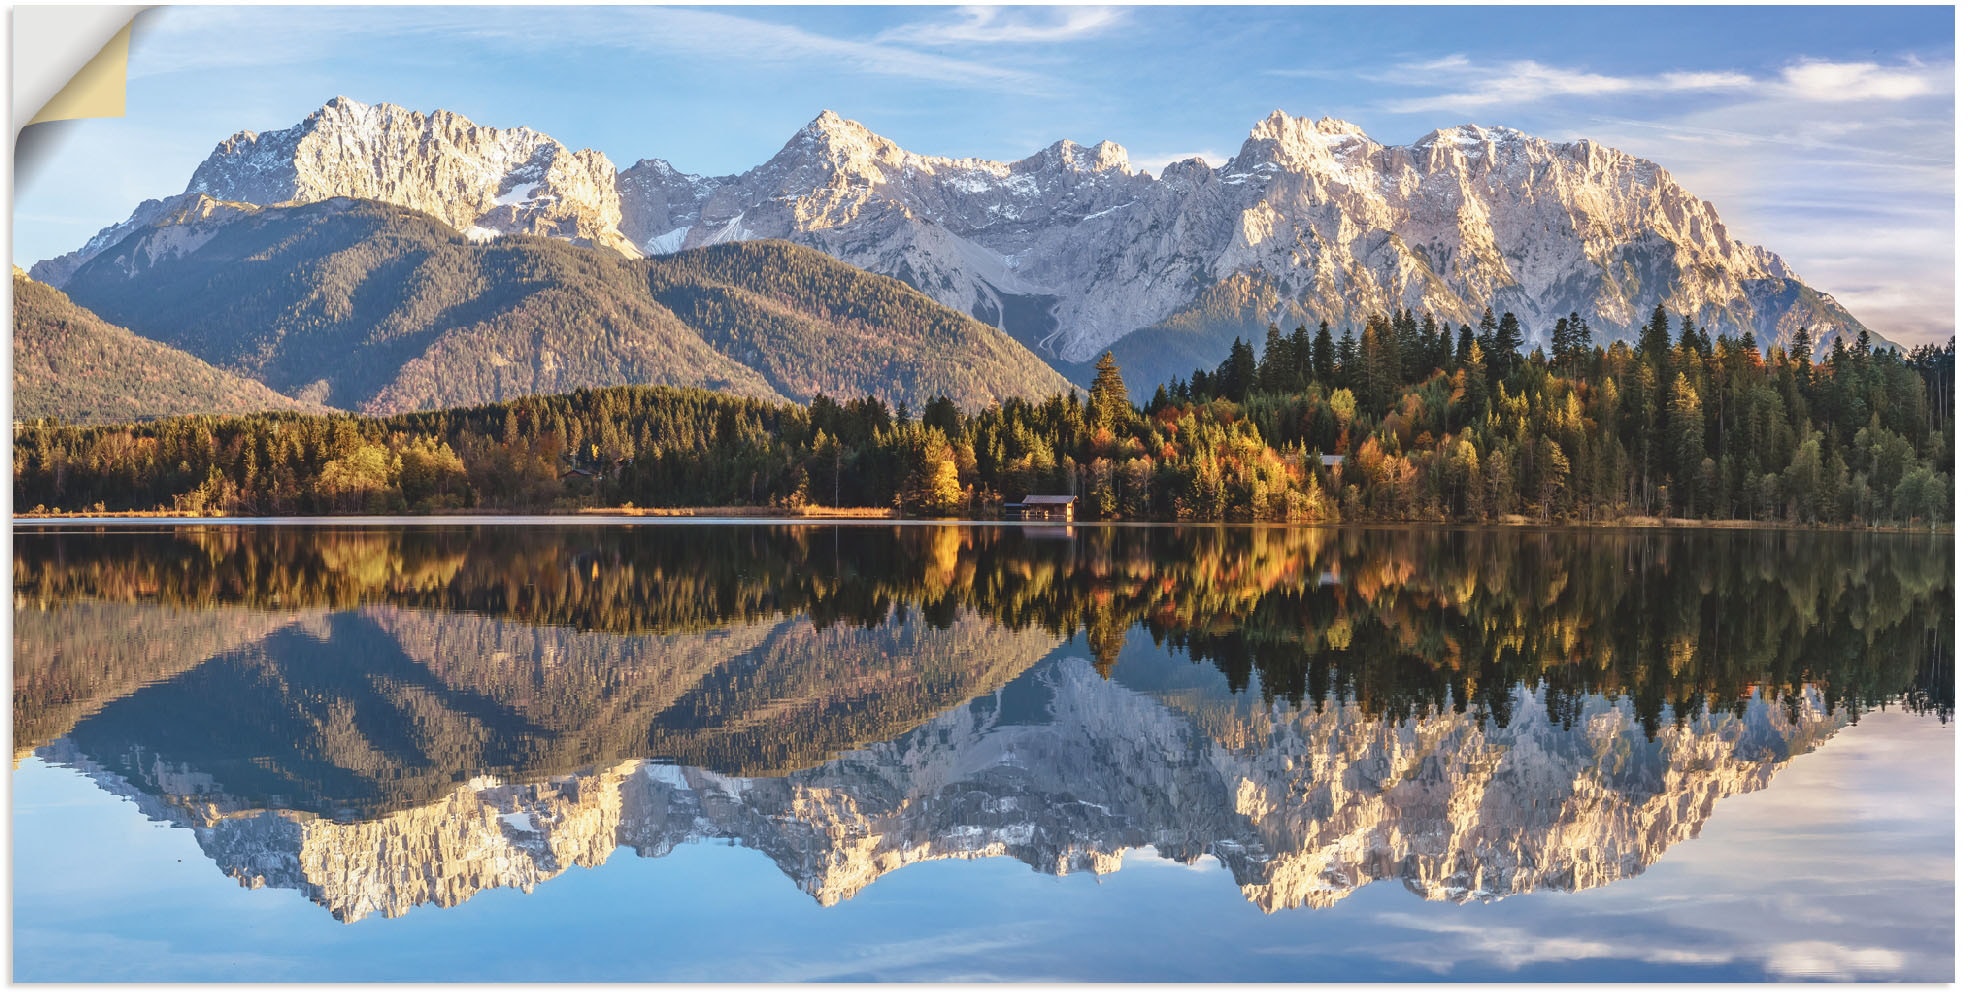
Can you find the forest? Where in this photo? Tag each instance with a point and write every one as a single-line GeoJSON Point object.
{"type": "Point", "coordinates": [1409, 420]}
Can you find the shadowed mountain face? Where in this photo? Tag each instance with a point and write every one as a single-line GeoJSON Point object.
{"type": "Point", "coordinates": [70, 364]}
{"type": "Point", "coordinates": [373, 306]}
{"type": "Point", "coordinates": [385, 718]}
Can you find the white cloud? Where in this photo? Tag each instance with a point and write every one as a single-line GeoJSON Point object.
{"type": "Point", "coordinates": [1843, 82]}
{"type": "Point", "coordinates": [1471, 85]}
{"type": "Point", "coordinates": [1008, 25]}
{"type": "Point", "coordinates": [1529, 81]}
{"type": "Point", "coordinates": [1825, 961]}
{"type": "Point", "coordinates": [1452, 944]}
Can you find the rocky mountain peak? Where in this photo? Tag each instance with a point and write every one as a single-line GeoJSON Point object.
{"type": "Point", "coordinates": [841, 143]}
{"type": "Point", "coordinates": [1300, 142]}
{"type": "Point", "coordinates": [1070, 156]}
{"type": "Point", "coordinates": [484, 181]}
{"type": "Point", "coordinates": [659, 167]}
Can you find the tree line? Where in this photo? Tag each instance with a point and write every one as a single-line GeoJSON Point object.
{"type": "Point", "coordinates": [1406, 421]}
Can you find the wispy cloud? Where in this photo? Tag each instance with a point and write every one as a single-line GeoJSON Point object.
{"type": "Point", "coordinates": [1452, 944]}
{"type": "Point", "coordinates": [1007, 25]}
{"type": "Point", "coordinates": [1823, 960]}
{"type": "Point", "coordinates": [1474, 85]}
{"type": "Point", "coordinates": [1527, 81]}
{"type": "Point", "coordinates": [1844, 82]}
{"type": "Point", "coordinates": [207, 38]}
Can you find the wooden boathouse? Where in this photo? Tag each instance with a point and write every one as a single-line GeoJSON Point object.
{"type": "Point", "coordinates": [1041, 508]}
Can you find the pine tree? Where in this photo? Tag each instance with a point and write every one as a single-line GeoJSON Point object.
{"type": "Point", "coordinates": [1274, 369]}
{"type": "Point", "coordinates": [1653, 338]}
{"type": "Point", "coordinates": [1509, 340]}
{"type": "Point", "coordinates": [1346, 373]}
{"type": "Point", "coordinates": [1322, 356]}
{"type": "Point", "coordinates": [1238, 372]}
{"type": "Point", "coordinates": [1301, 359]}
{"type": "Point", "coordinates": [1107, 400]}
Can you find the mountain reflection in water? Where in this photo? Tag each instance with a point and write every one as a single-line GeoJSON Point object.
{"type": "Point", "coordinates": [385, 718]}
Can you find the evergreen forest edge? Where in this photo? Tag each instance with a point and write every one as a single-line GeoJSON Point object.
{"type": "Point", "coordinates": [1433, 423]}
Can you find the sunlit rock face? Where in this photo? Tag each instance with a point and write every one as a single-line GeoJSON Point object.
{"type": "Point", "coordinates": [487, 834]}
{"type": "Point", "coordinates": [1064, 770]}
{"type": "Point", "coordinates": [1310, 220]}
{"type": "Point", "coordinates": [1071, 248]}
{"type": "Point", "coordinates": [1459, 810]}
{"type": "Point", "coordinates": [1304, 808]}
{"type": "Point", "coordinates": [484, 181]}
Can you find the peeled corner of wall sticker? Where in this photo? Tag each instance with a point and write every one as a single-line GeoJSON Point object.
{"type": "Point", "coordinates": [70, 62]}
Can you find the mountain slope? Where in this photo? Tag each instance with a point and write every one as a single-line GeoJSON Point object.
{"type": "Point", "coordinates": [70, 363]}
{"type": "Point", "coordinates": [376, 307]}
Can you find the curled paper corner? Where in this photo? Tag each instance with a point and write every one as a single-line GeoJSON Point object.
{"type": "Point", "coordinates": [70, 62]}
{"type": "Point", "coordinates": [97, 89]}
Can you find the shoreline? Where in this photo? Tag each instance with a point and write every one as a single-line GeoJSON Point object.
{"type": "Point", "coordinates": [878, 515]}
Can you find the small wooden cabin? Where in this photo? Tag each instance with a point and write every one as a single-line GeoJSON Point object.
{"type": "Point", "coordinates": [1331, 465]}
{"type": "Point", "coordinates": [1041, 508]}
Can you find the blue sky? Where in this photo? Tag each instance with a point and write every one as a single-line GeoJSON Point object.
{"type": "Point", "coordinates": [1825, 134]}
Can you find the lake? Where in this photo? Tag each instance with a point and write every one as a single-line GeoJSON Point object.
{"type": "Point", "coordinates": [770, 752]}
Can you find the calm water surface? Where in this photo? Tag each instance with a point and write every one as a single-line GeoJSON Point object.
{"type": "Point", "coordinates": [780, 752]}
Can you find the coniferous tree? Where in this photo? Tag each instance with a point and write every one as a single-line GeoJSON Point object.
{"type": "Point", "coordinates": [1107, 400]}
{"type": "Point", "coordinates": [1509, 340]}
{"type": "Point", "coordinates": [1689, 339]}
{"type": "Point", "coordinates": [1301, 359]}
{"type": "Point", "coordinates": [1653, 338]}
{"type": "Point", "coordinates": [1323, 358]}
{"type": "Point", "coordinates": [1238, 372]}
{"type": "Point", "coordinates": [1274, 372]}
{"type": "Point", "coordinates": [1346, 370]}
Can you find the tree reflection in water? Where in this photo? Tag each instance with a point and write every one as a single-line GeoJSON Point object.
{"type": "Point", "coordinates": [385, 717]}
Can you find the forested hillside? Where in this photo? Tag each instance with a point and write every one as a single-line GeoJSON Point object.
{"type": "Point", "coordinates": [368, 306]}
{"type": "Point", "coordinates": [1424, 425]}
{"type": "Point", "coordinates": [71, 364]}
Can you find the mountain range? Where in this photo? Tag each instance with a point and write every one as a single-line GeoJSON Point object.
{"type": "Point", "coordinates": [1060, 768]}
{"type": "Point", "coordinates": [1071, 250]}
